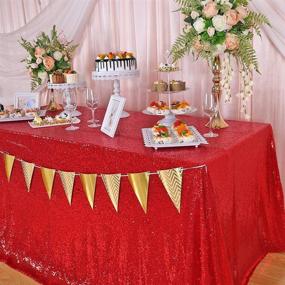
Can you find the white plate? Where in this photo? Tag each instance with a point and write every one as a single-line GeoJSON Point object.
{"type": "Point", "coordinates": [149, 141]}
{"type": "Point", "coordinates": [185, 112]}
{"type": "Point", "coordinates": [75, 121]}
{"type": "Point", "coordinates": [42, 113]}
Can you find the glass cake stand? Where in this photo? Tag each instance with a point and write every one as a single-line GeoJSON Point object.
{"type": "Point", "coordinates": [64, 87]}
{"type": "Point", "coordinates": [116, 76]}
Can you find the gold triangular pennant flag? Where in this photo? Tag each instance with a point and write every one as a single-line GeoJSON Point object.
{"type": "Point", "coordinates": [67, 179]}
{"type": "Point", "coordinates": [48, 178]}
{"type": "Point", "coordinates": [112, 185]}
{"type": "Point", "coordinates": [88, 182]}
{"type": "Point", "coordinates": [28, 170]}
{"type": "Point", "coordinates": [139, 182]}
{"type": "Point", "coordinates": [9, 162]}
{"type": "Point", "coordinates": [172, 182]}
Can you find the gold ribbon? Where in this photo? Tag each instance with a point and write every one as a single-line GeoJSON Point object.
{"type": "Point", "coordinates": [112, 185]}
{"type": "Point", "coordinates": [172, 182]}
{"type": "Point", "coordinates": [48, 178]}
{"type": "Point", "coordinates": [67, 179]}
{"type": "Point", "coordinates": [9, 162]}
{"type": "Point", "coordinates": [28, 170]}
{"type": "Point", "coordinates": [139, 182]}
{"type": "Point", "coordinates": [88, 182]}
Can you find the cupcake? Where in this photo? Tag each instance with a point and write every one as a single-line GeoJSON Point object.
{"type": "Point", "coordinates": [71, 77]}
{"type": "Point", "coordinates": [57, 77]}
{"type": "Point", "coordinates": [160, 86]}
{"type": "Point", "coordinates": [177, 85]}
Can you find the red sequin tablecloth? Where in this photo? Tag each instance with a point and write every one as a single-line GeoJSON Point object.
{"type": "Point", "coordinates": [232, 212]}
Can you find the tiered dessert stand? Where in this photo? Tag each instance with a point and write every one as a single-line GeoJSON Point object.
{"type": "Point", "coordinates": [65, 87]}
{"type": "Point", "coordinates": [116, 76]}
{"type": "Point", "coordinates": [169, 117]}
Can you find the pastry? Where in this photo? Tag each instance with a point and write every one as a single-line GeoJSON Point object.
{"type": "Point", "coordinates": [177, 85]}
{"type": "Point", "coordinates": [57, 77]}
{"type": "Point", "coordinates": [182, 132]}
{"type": "Point", "coordinates": [160, 86]}
{"type": "Point", "coordinates": [166, 67]}
{"type": "Point", "coordinates": [179, 108]}
{"type": "Point", "coordinates": [161, 134]}
{"type": "Point", "coordinates": [158, 108]}
{"type": "Point", "coordinates": [70, 77]}
{"type": "Point", "coordinates": [120, 61]}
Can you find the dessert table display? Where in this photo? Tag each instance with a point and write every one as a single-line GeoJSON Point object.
{"type": "Point", "coordinates": [226, 213]}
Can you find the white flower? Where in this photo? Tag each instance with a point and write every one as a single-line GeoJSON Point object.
{"type": "Point", "coordinates": [199, 25]}
{"type": "Point", "coordinates": [194, 15]}
{"type": "Point", "coordinates": [66, 58]}
{"type": "Point", "coordinates": [29, 57]}
{"type": "Point", "coordinates": [39, 60]}
{"type": "Point", "coordinates": [57, 55]}
{"type": "Point", "coordinates": [220, 23]}
{"type": "Point", "coordinates": [211, 31]}
{"type": "Point", "coordinates": [34, 66]}
{"type": "Point", "coordinates": [42, 75]}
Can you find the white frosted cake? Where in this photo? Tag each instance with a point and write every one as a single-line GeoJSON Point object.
{"type": "Point", "coordinates": [115, 62]}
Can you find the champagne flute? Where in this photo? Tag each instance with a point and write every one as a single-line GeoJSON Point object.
{"type": "Point", "coordinates": [92, 103]}
{"type": "Point", "coordinates": [69, 101]}
{"type": "Point", "coordinates": [210, 109]}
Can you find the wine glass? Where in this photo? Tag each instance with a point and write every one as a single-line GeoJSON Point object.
{"type": "Point", "coordinates": [92, 103]}
{"type": "Point", "coordinates": [69, 101]}
{"type": "Point", "coordinates": [210, 109]}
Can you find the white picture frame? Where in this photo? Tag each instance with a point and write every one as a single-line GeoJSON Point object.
{"type": "Point", "coordinates": [27, 100]}
{"type": "Point", "coordinates": [113, 115]}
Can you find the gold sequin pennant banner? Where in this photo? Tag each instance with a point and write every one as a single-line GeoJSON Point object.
{"type": "Point", "coordinates": [67, 179]}
{"type": "Point", "coordinates": [112, 185]}
{"type": "Point", "coordinates": [139, 182]}
{"type": "Point", "coordinates": [48, 178]}
{"type": "Point", "coordinates": [89, 182]}
{"type": "Point", "coordinates": [172, 182]}
{"type": "Point", "coordinates": [9, 162]}
{"type": "Point", "coordinates": [28, 170]}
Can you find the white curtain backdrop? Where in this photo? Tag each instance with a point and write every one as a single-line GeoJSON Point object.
{"type": "Point", "coordinates": [146, 27]}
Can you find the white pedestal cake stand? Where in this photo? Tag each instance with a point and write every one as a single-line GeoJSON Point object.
{"type": "Point", "coordinates": [66, 86]}
{"type": "Point", "coordinates": [116, 76]}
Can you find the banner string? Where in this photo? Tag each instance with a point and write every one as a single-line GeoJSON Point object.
{"type": "Point", "coordinates": [122, 175]}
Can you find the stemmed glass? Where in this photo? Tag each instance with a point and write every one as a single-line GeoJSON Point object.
{"type": "Point", "coordinates": [92, 103]}
{"type": "Point", "coordinates": [210, 109]}
{"type": "Point", "coordinates": [69, 101]}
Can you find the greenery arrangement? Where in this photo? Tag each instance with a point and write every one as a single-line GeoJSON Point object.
{"type": "Point", "coordinates": [46, 55]}
{"type": "Point", "coordinates": [213, 27]}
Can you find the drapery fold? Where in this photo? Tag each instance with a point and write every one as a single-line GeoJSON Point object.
{"type": "Point", "coordinates": [69, 16]}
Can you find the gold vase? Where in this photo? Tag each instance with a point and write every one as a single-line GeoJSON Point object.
{"type": "Point", "coordinates": [217, 122]}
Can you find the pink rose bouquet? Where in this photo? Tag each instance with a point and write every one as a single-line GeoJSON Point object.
{"type": "Point", "coordinates": [214, 27]}
{"type": "Point", "coordinates": [47, 54]}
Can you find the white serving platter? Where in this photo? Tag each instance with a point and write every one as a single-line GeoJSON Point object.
{"type": "Point", "coordinates": [42, 113]}
{"type": "Point", "coordinates": [75, 121]}
{"type": "Point", "coordinates": [149, 141]}
{"type": "Point", "coordinates": [175, 112]}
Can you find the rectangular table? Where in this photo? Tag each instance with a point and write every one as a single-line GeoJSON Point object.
{"type": "Point", "coordinates": [232, 210]}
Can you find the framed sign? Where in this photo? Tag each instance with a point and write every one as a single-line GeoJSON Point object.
{"type": "Point", "coordinates": [27, 100]}
{"type": "Point", "coordinates": [113, 115]}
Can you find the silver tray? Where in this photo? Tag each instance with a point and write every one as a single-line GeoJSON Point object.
{"type": "Point", "coordinates": [42, 113]}
{"type": "Point", "coordinates": [149, 142]}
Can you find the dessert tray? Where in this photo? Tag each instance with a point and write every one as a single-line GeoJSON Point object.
{"type": "Point", "coordinates": [64, 86]}
{"type": "Point", "coordinates": [111, 75]}
{"type": "Point", "coordinates": [53, 123]}
{"type": "Point", "coordinates": [149, 140]}
{"type": "Point", "coordinates": [18, 117]}
{"type": "Point", "coordinates": [187, 111]}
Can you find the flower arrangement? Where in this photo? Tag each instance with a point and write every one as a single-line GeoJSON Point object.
{"type": "Point", "coordinates": [215, 27]}
{"type": "Point", "coordinates": [46, 55]}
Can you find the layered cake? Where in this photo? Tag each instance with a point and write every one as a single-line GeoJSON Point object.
{"type": "Point", "coordinates": [182, 132]}
{"type": "Point", "coordinates": [111, 62]}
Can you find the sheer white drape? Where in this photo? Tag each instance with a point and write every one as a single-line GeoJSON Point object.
{"type": "Point", "coordinates": [148, 27]}
{"type": "Point", "coordinates": [68, 15]}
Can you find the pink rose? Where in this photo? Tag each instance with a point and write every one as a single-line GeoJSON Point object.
{"type": "Point", "coordinates": [198, 46]}
{"type": "Point", "coordinates": [232, 17]}
{"type": "Point", "coordinates": [232, 41]}
{"type": "Point", "coordinates": [210, 10]}
{"type": "Point", "coordinates": [39, 52]}
{"type": "Point", "coordinates": [242, 12]}
{"type": "Point", "coordinates": [48, 62]}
